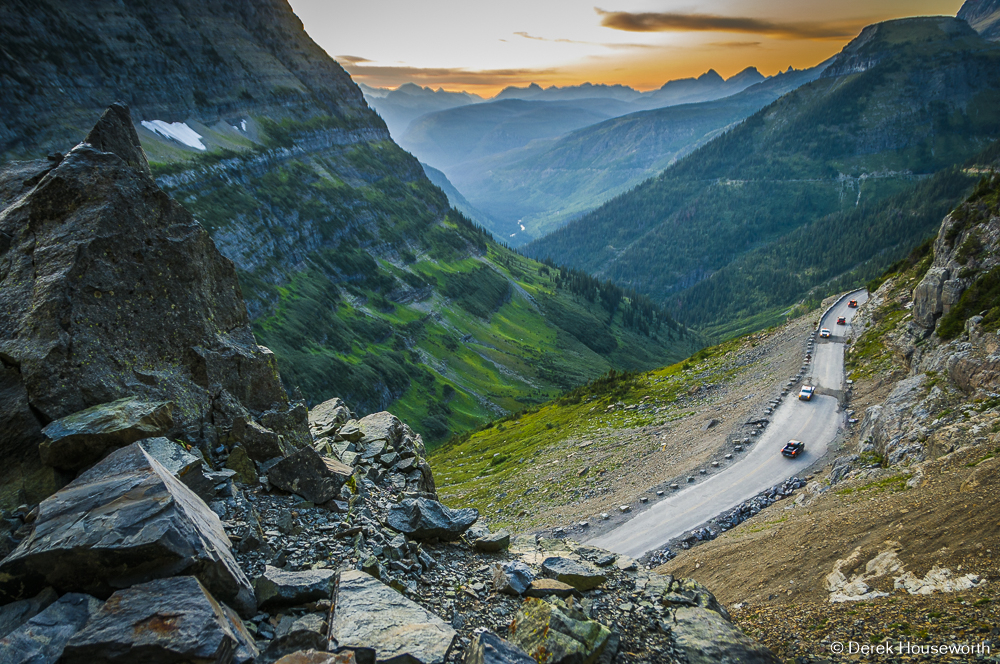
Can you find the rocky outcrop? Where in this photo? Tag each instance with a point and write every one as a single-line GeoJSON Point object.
{"type": "Point", "coordinates": [111, 290]}
{"type": "Point", "coordinates": [161, 622]}
{"type": "Point", "coordinates": [983, 16]}
{"type": "Point", "coordinates": [124, 521]}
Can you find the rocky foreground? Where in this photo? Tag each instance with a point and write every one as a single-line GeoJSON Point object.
{"type": "Point", "coordinates": [167, 502]}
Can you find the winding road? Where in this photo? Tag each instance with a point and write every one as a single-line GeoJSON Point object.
{"type": "Point", "coordinates": [816, 422]}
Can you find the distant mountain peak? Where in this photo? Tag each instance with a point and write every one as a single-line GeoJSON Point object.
{"type": "Point", "coordinates": [750, 74]}
{"type": "Point", "coordinates": [711, 76]}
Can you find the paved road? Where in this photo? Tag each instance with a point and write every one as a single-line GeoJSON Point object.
{"type": "Point", "coordinates": [815, 422]}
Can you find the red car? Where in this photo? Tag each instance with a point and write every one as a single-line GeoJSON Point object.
{"type": "Point", "coordinates": [842, 320]}
{"type": "Point", "coordinates": [853, 304]}
{"type": "Point", "coordinates": [793, 448]}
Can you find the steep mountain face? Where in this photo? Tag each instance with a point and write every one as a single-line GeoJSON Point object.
{"type": "Point", "coordinates": [110, 290]}
{"type": "Point", "coordinates": [354, 272]}
{"type": "Point", "coordinates": [541, 187]}
{"type": "Point", "coordinates": [401, 106]}
{"type": "Point", "coordinates": [983, 16]}
{"type": "Point", "coordinates": [905, 99]}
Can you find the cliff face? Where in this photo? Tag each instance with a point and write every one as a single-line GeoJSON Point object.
{"type": "Point", "coordinates": [212, 62]}
{"type": "Point", "coordinates": [983, 16]}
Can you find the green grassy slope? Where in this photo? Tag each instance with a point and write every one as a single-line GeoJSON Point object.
{"type": "Point", "coordinates": [908, 98]}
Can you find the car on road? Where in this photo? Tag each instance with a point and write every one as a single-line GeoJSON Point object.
{"type": "Point", "coordinates": [842, 320]}
{"type": "Point", "coordinates": [806, 393]}
{"type": "Point", "coordinates": [793, 448]}
{"type": "Point", "coordinates": [853, 304]}
{"type": "Point", "coordinates": [825, 333]}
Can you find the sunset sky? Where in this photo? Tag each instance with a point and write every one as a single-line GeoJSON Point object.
{"type": "Point", "coordinates": [483, 47]}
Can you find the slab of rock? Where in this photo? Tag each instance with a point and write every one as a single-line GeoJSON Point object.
{"type": "Point", "coordinates": [580, 576]}
{"type": "Point", "coordinates": [82, 438]}
{"type": "Point", "coordinates": [276, 587]}
{"type": "Point", "coordinates": [317, 657]}
{"type": "Point", "coordinates": [708, 638]}
{"type": "Point", "coordinates": [550, 588]}
{"type": "Point", "coordinates": [370, 614]}
{"type": "Point", "coordinates": [165, 621]}
{"type": "Point", "coordinates": [492, 542]}
{"type": "Point", "coordinates": [42, 638]}
{"type": "Point", "coordinates": [260, 442]}
{"type": "Point", "coordinates": [331, 414]}
{"type": "Point", "coordinates": [184, 465]}
{"type": "Point", "coordinates": [512, 578]}
{"type": "Point", "coordinates": [350, 432]}
{"type": "Point", "coordinates": [488, 648]}
{"type": "Point", "coordinates": [557, 633]}
{"type": "Point", "coordinates": [422, 518]}
{"type": "Point", "coordinates": [309, 474]}
{"type": "Point", "coordinates": [381, 426]}
{"type": "Point", "coordinates": [15, 614]}
{"type": "Point", "coordinates": [125, 521]}
{"type": "Point", "coordinates": [124, 295]}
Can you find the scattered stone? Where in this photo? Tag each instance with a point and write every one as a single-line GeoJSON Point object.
{"type": "Point", "coordinates": [557, 633]}
{"type": "Point", "coordinates": [276, 587]}
{"type": "Point", "coordinates": [317, 657]}
{"type": "Point", "coordinates": [605, 560]}
{"type": "Point", "coordinates": [488, 648]}
{"type": "Point", "coordinates": [82, 438]}
{"type": "Point", "coordinates": [569, 571]}
{"type": "Point", "coordinates": [167, 620]}
{"type": "Point", "coordinates": [310, 475]}
{"type": "Point", "coordinates": [369, 613]}
{"type": "Point", "coordinates": [241, 462]}
{"type": "Point", "coordinates": [42, 638]}
{"type": "Point", "coordinates": [492, 542]}
{"type": "Point", "coordinates": [550, 587]}
{"type": "Point", "coordinates": [625, 508]}
{"type": "Point", "coordinates": [512, 578]}
{"type": "Point", "coordinates": [146, 525]}
{"type": "Point", "coordinates": [422, 518]}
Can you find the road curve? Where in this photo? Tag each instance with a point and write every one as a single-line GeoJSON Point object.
{"type": "Point", "coordinates": [816, 422]}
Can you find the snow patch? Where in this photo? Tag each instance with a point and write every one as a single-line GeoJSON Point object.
{"type": "Point", "coordinates": [178, 131]}
{"type": "Point", "coordinates": [243, 125]}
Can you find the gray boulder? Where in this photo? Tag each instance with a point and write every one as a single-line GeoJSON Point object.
{"type": "Point", "coordinates": [166, 621]}
{"type": "Point", "coordinates": [488, 648]}
{"type": "Point", "coordinates": [82, 438]}
{"type": "Point", "coordinates": [307, 473]}
{"type": "Point", "coordinates": [111, 289]}
{"type": "Point", "coordinates": [42, 638]}
{"type": "Point", "coordinates": [15, 614]}
{"type": "Point", "coordinates": [260, 442]}
{"type": "Point", "coordinates": [276, 587]}
{"type": "Point", "coordinates": [327, 417]}
{"type": "Point", "coordinates": [422, 518]}
{"type": "Point", "coordinates": [370, 614]}
{"type": "Point", "coordinates": [580, 576]}
{"type": "Point", "coordinates": [512, 578]}
{"type": "Point", "coordinates": [126, 520]}
{"type": "Point", "coordinates": [492, 542]}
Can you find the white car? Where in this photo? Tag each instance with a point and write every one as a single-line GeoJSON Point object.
{"type": "Point", "coordinates": [825, 333]}
{"type": "Point", "coordinates": [806, 393]}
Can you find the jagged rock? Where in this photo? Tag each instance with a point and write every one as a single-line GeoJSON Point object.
{"type": "Point", "coordinates": [317, 657]}
{"type": "Point", "coordinates": [557, 633]}
{"type": "Point", "coordinates": [512, 578]}
{"type": "Point", "coordinates": [927, 302]}
{"type": "Point", "coordinates": [350, 432]}
{"type": "Point", "coordinates": [124, 521]}
{"type": "Point", "coordinates": [371, 614]}
{"type": "Point", "coordinates": [291, 641]}
{"type": "Point", "coordinates": [578, 575]}
{"type": "Point", "coordinates": [488, 648]}
{"type": "Point", "coordinates": [381, 426]}
{"type": "Point", "coordinates": [42, 638]}
{"type": "Point", "coordinates": [276, 587]}
{"type": "Point", "coordinates": [161, 622]}
{"type": "Point", "coordinates": [15, 614]}
{"type": "Point", "coordinates": [241, 462]}
{"type": "Point", "coordinates": [550, 588]}
{"type": "Point", "coordinates": [310, 475]}
{"type": "Point", "coordinates": [261, 443]}
{"type": "Point", "coordinates": [82, 438]}
{"type": "Point", "coordinates": [327, 417]}
{"type": "Point", "coordinates": [110, 289]}
{"type": "Point", "coordinates": [708, 638]}
{"type": "Point", "coordinates": [492, 542]}
{"type": "Point", "coordinates": [422, 518]}
{"type": "Point", "coordinates": [185, 466]}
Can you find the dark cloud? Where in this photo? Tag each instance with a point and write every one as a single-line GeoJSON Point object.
{"type": "Point", "coordinates": [395, 75]}
{"type": "Point", "coordinates": [675, 22]}
{"type": "Point", "coordinates": [573, 41]}
{"type": "Point", "coordinates": [735, 44]}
